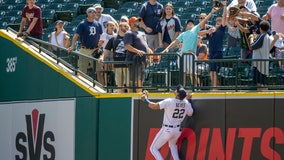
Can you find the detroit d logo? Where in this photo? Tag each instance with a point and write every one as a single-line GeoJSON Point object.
{"type": "Point", "coordinates": [35, 138]}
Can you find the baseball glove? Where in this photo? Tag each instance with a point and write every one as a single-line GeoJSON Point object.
{"type": "Point", "coordinates": [23, 34]}
{"type": "Point", "coordinates": [217, 6]}
{"type": "Point", "coordinates": [242, 20]}
{"type": "Point", "coordinates": [145, 92]}
{"type": "Point", "coordinates": [97, 53]}
{"type": "Point", "coordinates": [233, 11]}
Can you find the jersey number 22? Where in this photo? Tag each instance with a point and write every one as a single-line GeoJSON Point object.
{"type": "Point", "coordinates": [178, 113]}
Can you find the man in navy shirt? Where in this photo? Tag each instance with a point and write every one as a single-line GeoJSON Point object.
{"type": "Point", "coordinates": [89, 32]}
{"type": "Point", "coordinates": [136, 46]}
{"type": "Point", "coordinates": [215, 36]}
{"type": "Point", "coordinates": [150, 14]}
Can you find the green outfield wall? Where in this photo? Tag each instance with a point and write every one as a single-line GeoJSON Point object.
{"type": "Point", "coordinates": [101, 125]}
{"type": "Point", "coordinates": [47, 113]}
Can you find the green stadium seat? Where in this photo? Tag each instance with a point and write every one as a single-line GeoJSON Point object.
{"type": "Point", "coordinates": [125, 11]}
{"type": "Point", "coordinates": [44, 1]}
{"type": "Point", "coordinates": [83, 7]}
{"type": "Point", "coordinates": [75, 22]}
{"type": "Point", "coordinates": [70, 29]}
{"type": "Point", "coordinates": [8, 19]}
{"type": "Point", "coordinates": [178, 10]}
{"type": "Point", "coordinates": [16, 13]}
{"type": "Point", "coordinates": [55, 6]}
{"type": "Point", "coordinates": [130, 5]}
{"type": "Point", "coordinates": [61, 1]}
{"type": "Point", "coordinates": [188, 15]}
{"type": "Point", "coordinates": [71, 6]}
{"type": "Point", "coordinates": [2, 13]}
{"type": "Point", "coordinates": [18, 20]}
{"type": "Point", "coordinates": [80, 17]}
{"type": "Point", "coordinates": [15, 26]}
{"type": "Point", "coordinates": [135, 11]}
{"type": "Point", "coordinates": [182, 4]}
{"type": "Point", "coordinates": [19, 6]}
{"type": "Point", "coordinates": [109, 10]}
{"type": "Point", "coordinates": [63, 15]}
{"type": "Point", "coordinates": [3, 24]}
{"type": "Point", "coordinates": [12, 2]}
{"type": "Point", "coordinates": [117, 16]}
{"type": "Point", "coordinates": [48, 13]}
{"type": "Point", "coordinates": [6, 7]}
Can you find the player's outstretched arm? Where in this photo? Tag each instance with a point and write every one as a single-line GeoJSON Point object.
{"type": "Point", "coordinates": [152, 105]}
{"type": "Point", "coordinates": [189, 98]}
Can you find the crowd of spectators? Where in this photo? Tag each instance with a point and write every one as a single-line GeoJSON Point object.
{"type": "Point", "coordinates": [158, 27]}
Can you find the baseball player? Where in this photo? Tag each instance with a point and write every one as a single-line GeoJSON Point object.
{"type": "Point", "coordinates": [175, 110]}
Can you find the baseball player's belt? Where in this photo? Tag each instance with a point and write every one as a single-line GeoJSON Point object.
{"type": "Point", "coordinates": [171, 126]}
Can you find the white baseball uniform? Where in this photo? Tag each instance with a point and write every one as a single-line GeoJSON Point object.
{"type": "Point", "coordinates": [174, 113]}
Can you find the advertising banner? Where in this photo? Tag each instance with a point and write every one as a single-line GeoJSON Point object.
{"type": "Point", "coordinates": [222, 128]}
{"type": "Point", "coordinates": [37, 130]}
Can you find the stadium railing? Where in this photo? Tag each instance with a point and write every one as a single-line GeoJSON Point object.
{"type": "Point", "coordinates": [164, 74]}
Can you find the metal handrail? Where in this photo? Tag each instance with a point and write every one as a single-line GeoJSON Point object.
{"type": "Point", "coordinates": [235, 64]}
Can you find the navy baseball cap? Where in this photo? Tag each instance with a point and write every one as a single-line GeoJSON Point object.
{"type": "Point", "coordinates": [181, 92]}
{"type": "Point", "coordinates": [190, 20]}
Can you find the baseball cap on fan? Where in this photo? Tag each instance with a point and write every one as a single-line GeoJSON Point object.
{"type": "Point", "coordinates": [98, 6]}
{"type": "Point", "coordinates": [181, 92]}
{"type": "Point", "coordinates": [91, 9]}
{"type": "Point", "coordinates": [59, 22]}
{"type": "Point", "coordinates": [132, 19]}
{"type": "Point", "coordinates": [125, 18]}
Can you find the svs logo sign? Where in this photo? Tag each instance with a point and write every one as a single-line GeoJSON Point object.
{"type": "Point", "coordinates": [35, 138]}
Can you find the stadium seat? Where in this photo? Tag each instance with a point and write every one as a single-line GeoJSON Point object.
{"type": "Point", "coordinates": [135, 12]}
{"type": "Point", "coordinates": [75, 22]}
{"type": "Point", "coordinates": [262, 10]}
{"type": "Point", "coordinates": [117, 16]}
{"type": "Point", "coordinates": [12, 2]}
{"type": "Point", "coordinates": [2, 13]}
{"type": "Point", "coordinates": [8, 19]}
{"type": "Point", "coordinates": [61, 1]}
{"type": "Point", "coordinates": [188, 15]}
{"type": "Point", "coordinates": [44, 1]}
{"type": "Point", "coordinates": [15, 26]}
{"type": "Point", "coordinates": [3, 24]}
{"type": "Point", "coordinates": [183, 21]}
{"type": "Point", "coordinates": [46, 22]}
{"type": "Point", "coordinates": [233, 51]}
{"type": "Point", "coordinates": [63, 15]}
{"type": "Point", "coordinates": [125, 11]}
{"type": "Point", "coordinates": [80, 17]}
{"type": "Point", "coordinates": [48, 13]}
{"type": "Point", "coordinates": [6, 7]}
{"type": "Point", "coordinates": [130, 5]}
{"type": "Point", "coordinates": [93, 1]}
{"type": "Point", "coordinates": [109, 10]}
{"type": "Point", "coordinates": [19, 6]}
{"type": "Point", "coordinates": [16, 13]}
{"type": "Point", "coordinates": [70, 29]}
{"type": "Point", "coordinates": [178, 10]}
{"type": "Point", "coordinates": [73, 7]}
{"type": "Point", "coordinates": [18, 20]}
{"type": "Point", "coordinates": [182, 4]}
{"type": "Point", "coordinates": [55, 6]}
{"type": "Point", "coordinates": [83, 8]}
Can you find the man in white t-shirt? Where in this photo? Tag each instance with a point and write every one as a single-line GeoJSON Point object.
{"type": "Point", "coordinates": [103, 19]}
{"type": "Point", "coordinates": [247, 3]}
